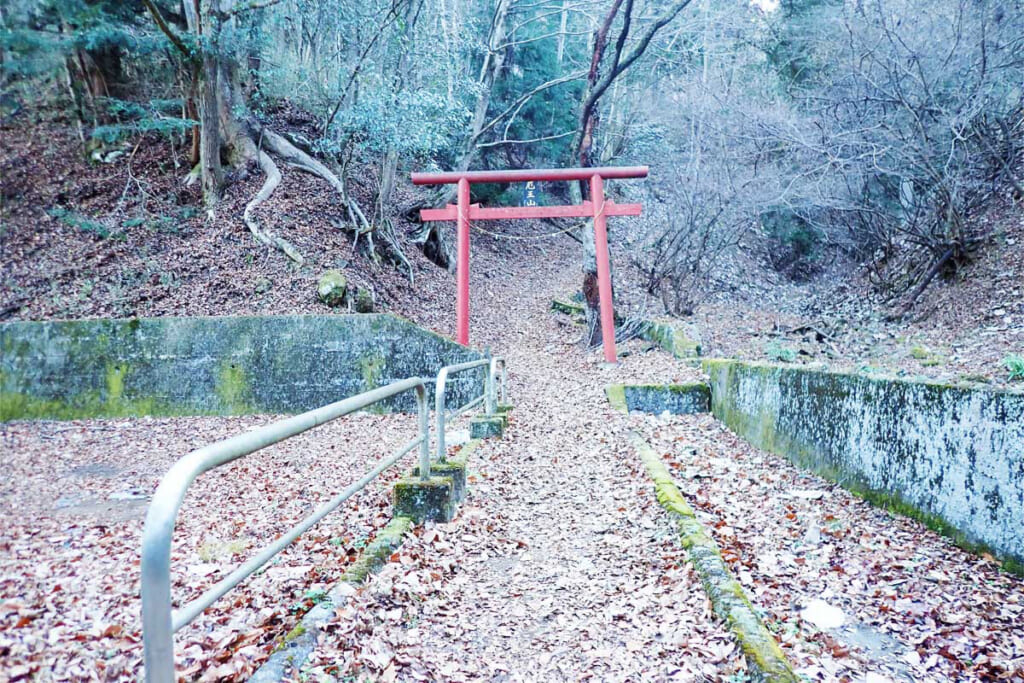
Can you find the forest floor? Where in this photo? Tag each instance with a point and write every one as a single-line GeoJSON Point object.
{"type": "Point", "coordinates": [81, 238]}
{"type": "Point", "coordinates": [561, 565]}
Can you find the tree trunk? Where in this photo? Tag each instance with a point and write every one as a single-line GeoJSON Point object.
{"type": "Point", "coordinates": [203, 22]}
{"type": "Point", "coordinates": [493, 62]}
{"type": "Point", "coordinates": [209, 133]}
{"type": "Point", "coordinates": [589, 116]}
{"type": "Point", "coordinates": [583, 143]}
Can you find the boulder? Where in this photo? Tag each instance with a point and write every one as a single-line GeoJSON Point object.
{"type": "Point", "coordinates": [332, 288]}
{"type": "Point", "coordinates": [364, 300]}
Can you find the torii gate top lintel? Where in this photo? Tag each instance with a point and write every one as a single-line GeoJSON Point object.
{"type": "Point", "coordinates": [597, 207]}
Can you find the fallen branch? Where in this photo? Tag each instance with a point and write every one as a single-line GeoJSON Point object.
{"type": "Point", "coordinates": [929, 276]}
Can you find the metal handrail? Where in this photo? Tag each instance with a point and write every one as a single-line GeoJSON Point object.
{"type": "Point", "coordinates": [159, 623]}
{"type": "Point", "coordinates": [492, 385]}
{"type": "Point", "coordinates": [440, 415]}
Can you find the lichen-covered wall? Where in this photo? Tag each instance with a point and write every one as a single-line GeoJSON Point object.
{"type": "Point", "coordinates": [676, 399]}
{"type": "Point", "coordinates": [951, 456]}
{"type": "Point", "coordinates": [676, 338]}
{"type": "Point", "coordinates": [216, 366]}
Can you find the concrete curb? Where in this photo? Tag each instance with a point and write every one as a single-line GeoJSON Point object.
{"type": "Point", "coordinates": [616, 394]}
{"type": "Point", "coordinates": [764, 656]}
{"type": "Point", "coordinates": [686, 398]}
{"type": "Point", "coordinates": [297, 645]}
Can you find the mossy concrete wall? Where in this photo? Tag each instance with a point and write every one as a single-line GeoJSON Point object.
{"type": "Point", "coordinates": [951, 456]}
{"type": "Point", "coordinates": [676, 399]}
{"type": "Point", "coordinates": [677, 338]}
{"type": "Point", "coordinates": [216, 366]}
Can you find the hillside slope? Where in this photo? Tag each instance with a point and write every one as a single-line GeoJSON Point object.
{"type": "Point", "coordinates": [86, 238]}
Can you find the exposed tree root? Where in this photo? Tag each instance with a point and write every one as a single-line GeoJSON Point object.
{"type": "Point", "coordinates": [298, 159]}
{"type": "Point", "coordinates": [273, 174]}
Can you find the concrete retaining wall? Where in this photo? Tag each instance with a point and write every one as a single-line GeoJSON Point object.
{"type": "Point", "coordinates": [951, 456]}
{"type": "Point", "coordinates": [676, 399]}
{"type": "Point", "coordinates": [216, 366]}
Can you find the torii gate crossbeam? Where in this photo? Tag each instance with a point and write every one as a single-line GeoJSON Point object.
{"type": "Point", "coordinates": [598, 207]}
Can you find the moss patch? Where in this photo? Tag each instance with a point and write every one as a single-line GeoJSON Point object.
{"type": "Point", "coordinates": [456, 471]}
{"type": "Point", "coordinates": [462, 456]}
{"type": "Point", "coordinates": [432, 500]}
{"type": "Point", "coordinates": [378, 551]}
{"type": "Point", "coordinates": [298, 643]}
{"type": "Point", "coordinates": [731, 604]}
{"type": "Point", "coordinates": [232, 389]}
{"type": "Point", "coordinates": [371, 368]}
{"type": "Point", "coordinates": [616, 394]}
{"type": "Point", "coordinates": [673, 338]}
{"type": "Point", "coordinates": [567, 307]}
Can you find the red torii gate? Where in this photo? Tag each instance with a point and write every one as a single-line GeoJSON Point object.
{"type": "Point", "coordinates": [597, 207]}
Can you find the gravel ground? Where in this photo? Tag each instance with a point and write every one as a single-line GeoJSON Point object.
{"type": "Point", "coordinates": [72, 505]}
{"type": "Point", "coordinates": [915, 606]}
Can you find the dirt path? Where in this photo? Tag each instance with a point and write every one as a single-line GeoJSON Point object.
{"type": "Point", "coordinates": [558, 566]}
{"type": "Point", "coordinates": [561, 566]}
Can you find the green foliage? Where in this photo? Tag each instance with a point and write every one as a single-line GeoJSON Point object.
{"type": "Point", "coordinates": [28, 54]}
{"type": "Point", "coordinates": [777, 352]}
{"type": "Point", "coordinates": [920, 353]}
{"type": "Point", "coordinates": [175, 224]}
{"type": "Point", "coordinates": [37, 36]}
{"type": "Point", "coordinates": [1015, 364]}
{"type": "Point", "coordinates": [83, 223]}
{"type": "Point", "coordinates": [420, 124]}
{"type": "Point", "coordinates": [546, 113]}
{"type": "Point", "coordinates": [134, 118]}
{"type": "Point", "coordinates": [798, 242]}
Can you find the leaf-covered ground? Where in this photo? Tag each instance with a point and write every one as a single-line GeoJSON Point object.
{"type": "Point", "coordinates": [74, 496]}
{"type": "Point", "coordinates": [560, 566]}
{"type": "Point", "coordinates": [913, 606]}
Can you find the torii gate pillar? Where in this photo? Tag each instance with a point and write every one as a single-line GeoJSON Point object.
{"type": "Point", "coordinates": [462, 266]}
{"type": "Point", "coordinates": [597, 207]}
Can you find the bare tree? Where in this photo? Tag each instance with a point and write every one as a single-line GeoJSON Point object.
{"type": "Point", "coordinates": [603, 72]}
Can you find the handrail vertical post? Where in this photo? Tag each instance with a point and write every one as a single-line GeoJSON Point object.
{"type": "Point", "coordinates": [158, 645]}
{"type": "Point", "coordinates": [489, 404]}
{"type": "Point", "coordinates": [504, 380]}
{"type": "Point", "coordinates": [491, 389]}
{"type": "Point", "coordinates": [442, 449]}
{"type": "Point", "coordinates": [424, 418]}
